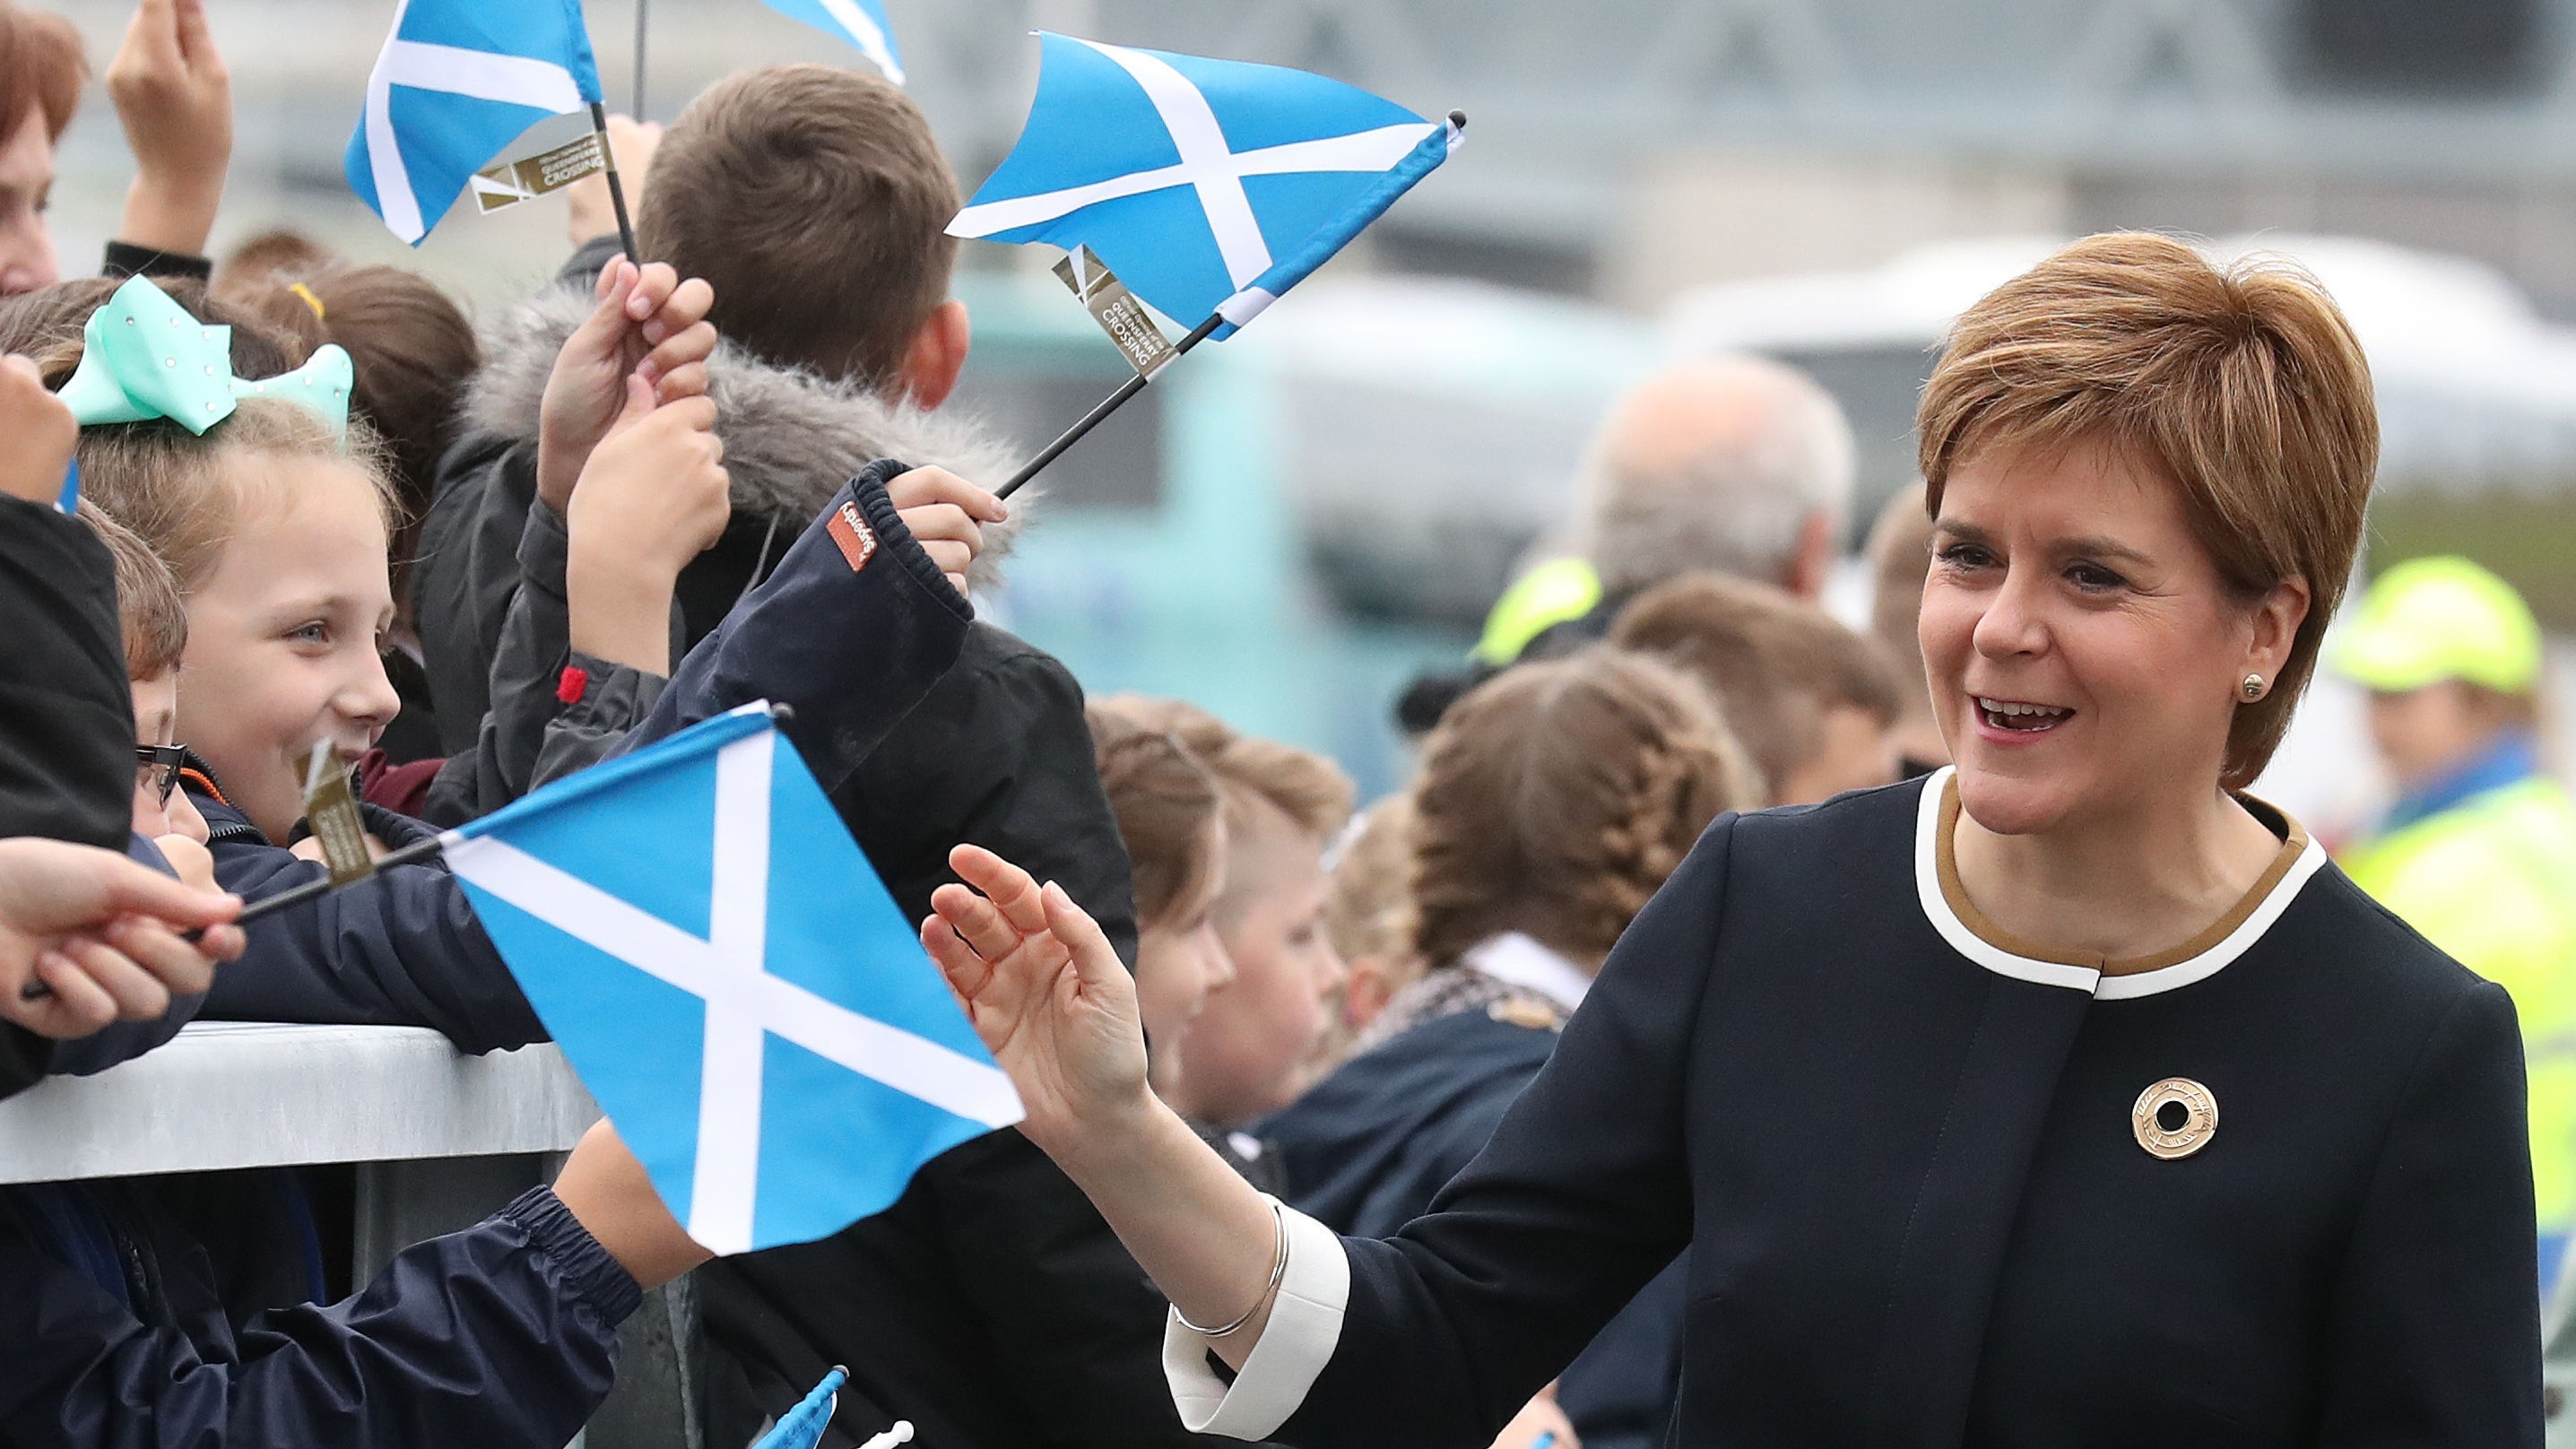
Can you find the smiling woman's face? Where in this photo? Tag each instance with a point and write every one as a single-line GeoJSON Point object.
{"type": "Point", "coordinates": [2085, 655]}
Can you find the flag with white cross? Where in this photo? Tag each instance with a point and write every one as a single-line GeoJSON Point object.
{"type": "Point", "coordinates": [860, 22]}
{"type": "Point", "coordinates": [695, 926]}
{"type": "Point", "coordinates": [457, 81]}
{"type": "Point", "coordinates": [1208, 186]}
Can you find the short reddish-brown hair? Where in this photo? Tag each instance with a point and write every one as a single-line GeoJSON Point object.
{"type": "Point", "coordinates": [2242, 384]}
{"type": "Point", "coordinates": [816, 202]}
{"type": "Point", "coordinates": [149, 612]}
{"type": "Point", "coordinates": [41, 69]}
{"type": "Point", "coordinates": [1167, 808]}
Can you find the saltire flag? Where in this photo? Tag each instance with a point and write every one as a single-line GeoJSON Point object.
{"type": "Point", "coordinates": [732, 982]}
{"type": "Point", "coordinates": [802, 1426]}
{"type": "Point", "coordinates": [457, 81]}
{"type": "Point", "coordinates": [1208, 186]}
{"type": "Point", "coordinates": [860, 22]}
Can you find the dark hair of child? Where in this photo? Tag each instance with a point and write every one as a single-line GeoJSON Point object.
{"type": "Point", "coordinates": [1775, 663]}
{"type": "Point", "coordinates": [149, 611]}
{"type": "Point", "coordinates": [816, 202]}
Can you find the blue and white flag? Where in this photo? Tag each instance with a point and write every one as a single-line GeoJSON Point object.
{"type": "Point", "coordinates": [457, 81]}
{"type": "Point", "coordinates": [1208, 186]}
{"type": "Point", "coordinates": [696, 928]}
{"type": "Point", "coordinates": [860, 22]}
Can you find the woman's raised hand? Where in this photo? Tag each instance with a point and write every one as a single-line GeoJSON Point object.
{"type": "Point", "coordinates": [1047, 994]}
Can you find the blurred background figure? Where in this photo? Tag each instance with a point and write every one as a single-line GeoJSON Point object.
{"type": "Point", "coordinates": [1554, 800]}
{"type": "Point", "coordinates": [1252, 1047]}
{"type": "Point", "coordinates": [1813, 702]}
{"type": "Point", "coordinates": [1738, 466]}
{"type": "Point", "coordinates": [1172, 821]}
{"type": "Point", "coordinates": [2479, 851]}
{"type": "Point", "coordinates": [1899, 556]}
{"type": "Point", "coordinates": [1369, 919]}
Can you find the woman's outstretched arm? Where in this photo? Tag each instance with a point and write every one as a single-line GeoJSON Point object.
{"type": "Point", "coordinates": [1435, 1337]}
{"type": "Point", "coordinates": [1058, 1011]}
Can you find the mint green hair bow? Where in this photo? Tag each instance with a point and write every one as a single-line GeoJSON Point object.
{"type": "Point", "coordinates": [147, 358]}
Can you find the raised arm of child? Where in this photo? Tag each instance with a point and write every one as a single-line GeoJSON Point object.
{"type": "Point", "coordinates": [40, 431]}
{"type": "Point", "coordinates": [861, 617]}
{"type": "Point", "coordinates": [650, 324]}
{"type": "Point", "coordinates": [175, 99]}
{"type": "Point", "coordinates": [652, 496]}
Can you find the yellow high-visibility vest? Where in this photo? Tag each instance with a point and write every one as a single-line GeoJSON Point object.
{"type": "Point", "coordinates": [2492, 881]}
{"type": "Point", "coordinates": [1550, 594]}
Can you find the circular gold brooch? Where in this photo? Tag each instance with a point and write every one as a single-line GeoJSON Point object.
{"type": "Point", "coordinates": [2175, 1118]}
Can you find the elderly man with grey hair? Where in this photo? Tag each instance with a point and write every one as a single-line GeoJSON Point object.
{"type": "Point", "coordinates": [1734, 465]}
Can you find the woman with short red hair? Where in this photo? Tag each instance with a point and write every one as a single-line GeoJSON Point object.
{"type": "Point", "coordinates": [2065, 1096]}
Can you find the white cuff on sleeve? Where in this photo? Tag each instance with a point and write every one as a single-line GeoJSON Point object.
{"type": "Point", "coordinates": [1305, 1324]}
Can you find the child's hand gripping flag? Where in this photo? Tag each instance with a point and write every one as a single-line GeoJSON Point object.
{"type": "Point", "coordinates": [695, 926]}
{"type": "Point", "coordinates": [457, 81]}
{"type": "Point", "coordinates": [1208, 186]}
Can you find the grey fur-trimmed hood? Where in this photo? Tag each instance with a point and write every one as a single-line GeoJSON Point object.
{"type": "Point", "coordinates": [791, 437]}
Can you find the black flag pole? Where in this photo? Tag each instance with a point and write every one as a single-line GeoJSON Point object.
{"type": "Point", "coordinates": [608, 155]}
{"type": "Point", "coordinates": [311, 890]}
{"type": "Point", "coordinates": [1097, 415]}
{"type": "Point", "coordinates": [413, 854]}
{"type": "Point", "coordinates": [315, 889]}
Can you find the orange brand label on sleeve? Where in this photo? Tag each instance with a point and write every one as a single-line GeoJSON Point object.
{"type": "Point", "coordinates": [858, 541]}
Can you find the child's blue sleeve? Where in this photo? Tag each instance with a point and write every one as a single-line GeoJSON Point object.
{"type": "Point", "coordinates": [401, 948]}
{"type": "Point", "coordinates": [502, 1336]}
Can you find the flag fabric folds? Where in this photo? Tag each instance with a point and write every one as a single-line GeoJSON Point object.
{"type": "Point", "coordinates": [697, 929]}
{"type": "Point", "coordinates": [1209, 186]}
{"type": "Point", "coordinates": [457, 81]}
{"type": "Point", "coordinates": [860, 22]}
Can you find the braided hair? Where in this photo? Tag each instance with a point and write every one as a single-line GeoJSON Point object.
{"type": "Point", "coordinates": [1556, 798]}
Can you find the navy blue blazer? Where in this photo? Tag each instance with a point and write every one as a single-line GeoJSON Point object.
{"type": "Point", "coordinates": [1919, 1212]}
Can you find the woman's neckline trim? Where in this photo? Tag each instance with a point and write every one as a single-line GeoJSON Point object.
{"type": "Point", "coordinates": [1966, 929]}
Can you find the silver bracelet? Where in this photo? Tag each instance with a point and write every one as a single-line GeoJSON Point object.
{"type": "Point", "coordinates": [1278, 1272]}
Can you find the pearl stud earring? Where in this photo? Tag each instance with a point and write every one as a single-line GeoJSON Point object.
{"type": "Point", "coordinates": [2253, 688]}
